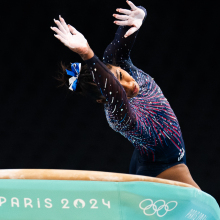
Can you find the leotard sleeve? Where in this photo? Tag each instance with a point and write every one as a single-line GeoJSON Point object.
{"type": "Point", "coordinates": [114, 92]}
{"type": "Point", "coordinates": [110, 87]}
{"type": "Point", "coordinates": [118, 51]}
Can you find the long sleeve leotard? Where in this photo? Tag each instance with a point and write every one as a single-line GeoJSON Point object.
{"type": "Point", "coordinates": [146, 120]}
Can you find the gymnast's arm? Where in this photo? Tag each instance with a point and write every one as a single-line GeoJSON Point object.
{"type": "Point", "coordinates": [118, 51]}
{"type": "Point", "coordinates": [108, 84]}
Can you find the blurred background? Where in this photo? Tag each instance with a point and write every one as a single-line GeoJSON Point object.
{"type": "Point", "coordinates": [47, 127]}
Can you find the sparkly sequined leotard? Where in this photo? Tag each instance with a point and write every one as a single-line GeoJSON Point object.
{"type": "Point", "coordinates": [146, 120]}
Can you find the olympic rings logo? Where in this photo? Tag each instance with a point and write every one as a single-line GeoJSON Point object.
{"type": "Point", "coordinates": [150, 208]}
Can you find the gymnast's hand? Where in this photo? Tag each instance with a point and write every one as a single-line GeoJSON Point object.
{"type": "Point", "coordinates": [133, 18]}
{"type": "Point", "coordinates": [70, 37]}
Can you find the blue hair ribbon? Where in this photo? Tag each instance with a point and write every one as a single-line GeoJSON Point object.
{"type": "Point", "coordinates": [75, 71]}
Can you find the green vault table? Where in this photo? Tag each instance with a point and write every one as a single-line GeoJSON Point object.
{"type": "Point", "coordinates": [71, 194]}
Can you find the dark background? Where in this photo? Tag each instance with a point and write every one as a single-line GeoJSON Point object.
{"type": "Point", "coordinates": [43, 126]}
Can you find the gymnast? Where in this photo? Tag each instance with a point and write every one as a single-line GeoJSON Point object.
{"type": "Point", "coordinates": [134, 104]}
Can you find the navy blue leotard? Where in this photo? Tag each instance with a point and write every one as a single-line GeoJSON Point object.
{"type": "Point", "coordinates": [146, 120]}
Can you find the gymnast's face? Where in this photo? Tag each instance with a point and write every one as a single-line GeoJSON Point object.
{"type": "Point", "coordinates": [130, 86]}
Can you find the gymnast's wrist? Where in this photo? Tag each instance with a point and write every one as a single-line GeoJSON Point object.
{"type": "Point", "coordinates": [88, 54]}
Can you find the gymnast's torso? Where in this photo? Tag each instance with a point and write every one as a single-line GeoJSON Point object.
{"type": "Point", "coordinates": [156, 132]}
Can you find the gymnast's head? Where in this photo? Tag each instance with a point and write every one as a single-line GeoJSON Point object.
{"type": "Point", "coordinates": [87, 87]}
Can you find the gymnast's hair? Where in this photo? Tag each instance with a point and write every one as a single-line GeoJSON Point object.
{"type": "Point", "coordinates": [85, 86]}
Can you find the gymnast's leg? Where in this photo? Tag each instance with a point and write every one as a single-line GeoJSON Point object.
{"type": "Point", "coordinates": [179, 172]}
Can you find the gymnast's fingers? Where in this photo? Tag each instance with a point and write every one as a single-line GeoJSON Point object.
{"type": "Point", "coordinates": [121, 23]}
{"type": "Point", "coordinates": [64, 24]}
{"type": "Point", "coordinates": [123, 11]}
{"type": "Point", "coordinates": [58, 31]}
{"type": "Point", "coordinates": [60, 26]}
{"type": "Point", "coordinates": [130, 31]}
{"type": "Point", "coordinates": [133, 7]}
{"type": "Point", "coordinates": [121, 17]}
{"type": "Point", "coordinates": [72, 29]}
